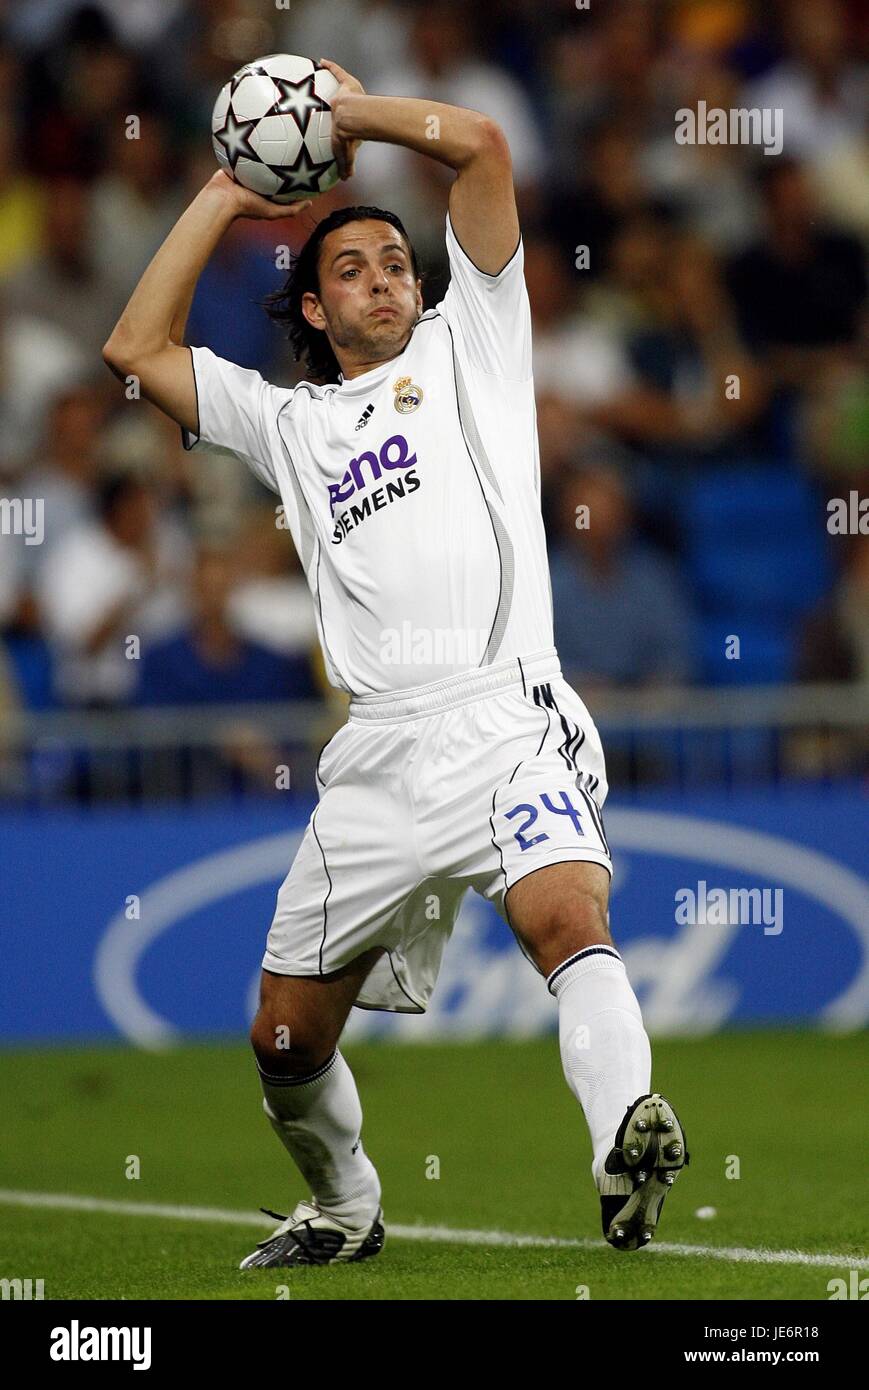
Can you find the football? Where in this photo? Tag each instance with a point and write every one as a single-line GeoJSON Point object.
{"type": "Point", "coordinates": [272, 128]}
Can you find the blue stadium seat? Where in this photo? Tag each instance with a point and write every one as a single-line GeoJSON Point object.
{"type": "Point", "coordinates": [766, 652]}
{"type": "Point", "coordinates": [31, 668]}
{"type": "Point", "coordinates": [756, 547]}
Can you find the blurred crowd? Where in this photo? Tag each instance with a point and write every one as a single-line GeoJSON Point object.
{"type": "Point", "coordinates": [700, 327]}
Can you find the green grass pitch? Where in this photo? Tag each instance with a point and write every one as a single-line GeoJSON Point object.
{"type": "Point", "coordinates": [513, 1156]}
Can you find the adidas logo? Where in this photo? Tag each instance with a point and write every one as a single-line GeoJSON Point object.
{"type": "Point", "coordinates": [365, 417]}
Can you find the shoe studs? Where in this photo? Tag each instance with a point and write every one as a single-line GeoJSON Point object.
{"type": "Point", "coordinates": [669, 1179]}
{"type": "Point", "coordinates": [641, 1126]}
{"type": "Point", "coordinates": [673, 1150]}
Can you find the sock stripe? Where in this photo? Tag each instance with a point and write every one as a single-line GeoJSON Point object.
{"type": "Point", "coordinates": [299, 1080]}
{"type": "Point", "coordinates": [580, 955]}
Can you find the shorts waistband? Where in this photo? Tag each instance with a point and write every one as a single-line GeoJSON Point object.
{"type": "Point", "coordinates": [523, 672]}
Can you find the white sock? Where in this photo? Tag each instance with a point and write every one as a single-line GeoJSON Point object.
{"type": "Point", "coordinates": [318, 1119]}
{"type": "Point", "coordinates": [604, 1048]}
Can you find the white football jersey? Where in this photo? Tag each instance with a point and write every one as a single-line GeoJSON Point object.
{"type": "Point", "coordinates": [412, 492]}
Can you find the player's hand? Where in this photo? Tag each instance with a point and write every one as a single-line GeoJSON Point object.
{"type": "Point", "coordinates": [245, 203]}
{"type": "Point", "coordinates": [344, 147]}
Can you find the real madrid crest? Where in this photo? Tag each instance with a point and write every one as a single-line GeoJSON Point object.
{"type": "Point", "coordinates": [408, 396]}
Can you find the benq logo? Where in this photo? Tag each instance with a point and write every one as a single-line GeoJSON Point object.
{"type": "Point", "coordinates": [393, 454]}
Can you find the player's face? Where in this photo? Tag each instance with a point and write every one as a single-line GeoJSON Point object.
{"type": "Point", "coordinates": [369, 298]}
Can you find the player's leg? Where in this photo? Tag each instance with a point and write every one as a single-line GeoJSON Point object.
{"type": "Point", "coordinates": [355, 867]}
{"type": "Point", "coordinates": [311, 1101]}
{"type": "Point", "coordinates": [552, 886]}
{"type": "Point", "coordinates": [559, 910]}
{"type": "Point", "coordinates": [309, 1092]}
{"type": "Point", "coordinates": [559, 914]}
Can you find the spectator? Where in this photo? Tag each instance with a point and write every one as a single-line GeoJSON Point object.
{"type": "Point", "coordinates": [11, 569]}
{"type": "Point", "coordinates": [209, 662]}
{"type": "Point", "coordinates": [834, 643]}
{"type": "Point", "coordinates": [591, 199]}
{"type": "Point", "coordinates": [64, 474]}
{"type": "Point", "coordinates": [576, 357]}
{"type": "Point", "coordinates": [271, 604]}
{"type": "Point", "coordinates": [630, 296]}
{"type": "Point", "coordinates": [8, 692]}
{"type": "Point", "coordinates": [614, 70]}
{"type": "Point", "coordinates": [37, 360]}
{"type": "Point", "coordinates": [819, 89]}
{"type": "Point", "coordinates": [699, 394]}
{"type": "Point", "coordinates": [841, 181]}
{"type": "Point", "coordinates": [837, 418]}
{"type": "Point", "coordinates": [800, 290]}
{"type": "Point", "coordinates": [111, 580]}
{"type": "Point", "coordinates": [79, 88]}
{"type": "Point", "coordinates": [135, 203]}
{"type": "Point", "coordinates": [851, 602]}
{"type": "Point", "coordinates": [621, 617]}
{"type": "Point", "coordinates": [137, 24]}
{"type": "Point", "coordinates": [61, 484]}
{"type": "Point", "coordinates": [22, 201]}
{"type": "Point", "coordinates": [373, 35]}
{"type": "Point", "coordinates": [442, 65]}
{"type": "Point", "coordinates": [709, 187]}
{"type": "Point", "coordinates": [62, 286]}
{"type": "Point", "coordinates": [696, 396]}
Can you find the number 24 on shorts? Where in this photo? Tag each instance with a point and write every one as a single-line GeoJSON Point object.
{"type": "Point", "coordinates": [566, 809]}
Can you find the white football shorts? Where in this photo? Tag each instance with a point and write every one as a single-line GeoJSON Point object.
{"type": "Point", "coordinates": [471, 782]}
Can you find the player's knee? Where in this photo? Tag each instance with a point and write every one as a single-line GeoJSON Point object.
{"type": "Point", "coordinates": [569, 926]}
{"type": "Point", "coordinates": [284, 1047]}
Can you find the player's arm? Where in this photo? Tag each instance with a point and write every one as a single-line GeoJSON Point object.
{"type": "Point", "coordinates": [146, 342]}
{"type": "Point", "coordinates": [482, 201]}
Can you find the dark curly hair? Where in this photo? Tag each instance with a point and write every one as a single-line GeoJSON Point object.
{"type": "Point", "coordinates": [285, 305]}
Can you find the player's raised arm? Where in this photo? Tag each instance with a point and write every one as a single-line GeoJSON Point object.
{"type": "Point", "coordinates": [482, 201]}
{"type": "Point", "coordinates": [147, 340]}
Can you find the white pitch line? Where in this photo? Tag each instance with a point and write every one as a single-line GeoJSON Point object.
{"type": "Point", "coordinates": [61, 1201]}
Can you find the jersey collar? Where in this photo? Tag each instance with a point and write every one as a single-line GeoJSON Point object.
{"type": "Point", "coordinates": [368, 381]}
